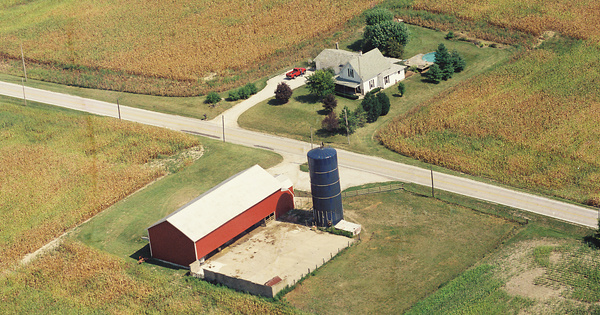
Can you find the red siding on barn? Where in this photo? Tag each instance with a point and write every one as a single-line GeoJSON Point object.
{"type": "Point", "coordinates": [280, 202]}
{"type": "Point", "coordinates": [169, 244]}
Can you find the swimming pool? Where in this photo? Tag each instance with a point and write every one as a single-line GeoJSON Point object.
{"type": "Point", "coordinates": [430, 57]}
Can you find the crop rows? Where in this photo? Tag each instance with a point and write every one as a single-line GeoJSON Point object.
{"type": "Point", "coordinates": [181, 40]}
{"type": "Point", "coordinates": [532, 123]}
{"type": "Point", "coordinates": [579, 19]}
{"type": "Point", "coordinates": [60, 169]}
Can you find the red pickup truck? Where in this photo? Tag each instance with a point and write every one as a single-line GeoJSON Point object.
{"type": "Point", "coordinates": [295, 72]}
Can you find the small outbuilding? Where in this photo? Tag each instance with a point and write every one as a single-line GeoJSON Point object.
{"type": "Point", "coordinates": [219, 215]}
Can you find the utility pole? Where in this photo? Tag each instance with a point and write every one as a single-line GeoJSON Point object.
{"type": "Point", "coordinates": [347, 130]}
{"type": "Point", "coordinates": [24, 98]}
{"type": "Point", "coordinates": [432, 192]}
{"type": "Point", "coordinates": [223, 120]}
{"type": "Point", "coordinates": [119, 108]}
{"type": "Point", "coordinates": [23, 58]}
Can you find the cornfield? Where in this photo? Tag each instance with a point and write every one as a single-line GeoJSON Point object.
{"type": "Point", "coordinates": [579, 19]}
{"type": "Point", "coordinates": [79, 279]}
{"type": "Point", "coordinates": [532, 123]}
{"type": "Point", "coordinates": [183, 40]}
{"type": "Point", "coordinates": [60, 169]}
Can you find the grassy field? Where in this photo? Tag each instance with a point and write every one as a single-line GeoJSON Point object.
{"type": "Point", "coordinates": [179, 48]}
{"type": "Point", "coordinates": [520, 124]}
{"type": "Point", "coordinates": [296, 118]}
{"type": "Point", "coordinates": [93, 272]}
{"type": "Point", "coordinates": [541, 276]}
{"type": "Point", "coordinates": [60, 168]}
{"type": "Point", "coordinates": [411, 244]}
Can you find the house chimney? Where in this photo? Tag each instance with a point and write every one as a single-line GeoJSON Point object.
{"type": "Point", "coordinates": [360, 52]}
{"type": "Point", "coordinates": [337, 45]}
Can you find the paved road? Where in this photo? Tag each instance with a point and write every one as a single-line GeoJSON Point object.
{"type": "Point", "coordinates": [374, 165]}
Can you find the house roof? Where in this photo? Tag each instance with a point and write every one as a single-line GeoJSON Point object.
{"type": "Point", "coordinates": [334, 58]}
{"type": "Point", "coordinates": [225, 201]}
{"type": "Point", "coordinates": [370, 64]}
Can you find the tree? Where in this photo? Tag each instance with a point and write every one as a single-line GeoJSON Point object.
{"type": "Point", "coordinates": [444, 61]}
{"type": "Point", "coordinates": [384, 101]}
{"type": "Point", "coordinates": [371, 106]}
{"type": "Point", "coordinates": [213, 98]}
{"type": "Point", "coordinates": [378, 15]}
{"type": "Point", "coordinates": [434, 74]}
{"type": "Point", "coordinates": [329, 102]}
{"type": "Point", "coordinates": [458, 61]}
{"type": "Point", "coordinates": [330, 122]}
{"type": "Point", "coordinates": [321, 83]}
{"type": "Point", "coordinates": [283, 92]}
{"type": "Point", "coordinates": [356, 119]}
{"type": "Point", "coordinates": [394, 49]}
{"type": "Point", "coordinates": [385, 34]}
{"type": "Point", "coordinates": [401, 89]}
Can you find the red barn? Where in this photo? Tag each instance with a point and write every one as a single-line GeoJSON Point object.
{"type": "Point", "coordinates": [219, 215]}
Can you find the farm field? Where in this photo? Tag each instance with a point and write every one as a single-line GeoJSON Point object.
{"type": "Point", "coordinates": [579, 19]}
{"type": "Point", "coordinates": [180, 48]}
{"type": "Point", "coordinates": [96, 269]}
{"type": "Point", "coordinates": [61, 167]}
{"type": "Point", "coordinates": [303, 112]}
{"type": "Point", "coordinates": [520, 124]}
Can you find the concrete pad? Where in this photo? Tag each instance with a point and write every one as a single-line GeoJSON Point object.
{"type": "Point", "coordinates": [280, 249]}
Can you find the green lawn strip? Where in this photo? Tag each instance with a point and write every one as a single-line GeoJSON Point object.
{"type": "Point", "coordinates": [410, 246]}
{"type": "Point", "coordinates": [194, 107]}
{"type": "Point", "coordinates": [118, 230]}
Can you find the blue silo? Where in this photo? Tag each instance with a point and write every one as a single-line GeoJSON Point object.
{"type": "Point", "coordinates": [325, 186]}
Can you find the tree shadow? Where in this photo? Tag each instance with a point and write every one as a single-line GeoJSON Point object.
{"type": "Point", "coordinates": [323, 112]}
{"type": "Point", "coordinates": [307, 99]}
{"type": "Point", "coordinates": [397, 95]}
{"type": "Point", "coordinates": [324, 133]}
{"type": "Point", "coordinates": [357, 45]}
{"type": "Point", "coordinates": [276, 102]}
{"type": "Point", "coordinates": [593, 240]}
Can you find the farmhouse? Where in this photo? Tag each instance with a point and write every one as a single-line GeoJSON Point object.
{"type": "Point", "coordinates": [219, 215]}
{"type": "Point", "coordinates": [358, 73]}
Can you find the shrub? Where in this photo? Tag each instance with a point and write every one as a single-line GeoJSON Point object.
{"type": "Point", "coordinates": [378, 15]}
{"type": "Point", "coordinates": [444, 60]}
{"type": "Point", "coordinates": [346, 95]}
{"type": "Point", "coordinates": [450, 35]}
{"type": "Point", "coordinates": [401, 89]}
{"type": "Point", "coordinates": [234, 95]}
{"type": "Point", "coordinates": [458, 61]}
{"type": "Point", "coordinates": [283, 92]}
{"type": "Point", "coordinates": [356, 119]}
{"type": "Point", "coordinates": [251, 88]}
{"type": "Point", "coordinates": [213, 98]}
{"type": "Point", "coordinates": [244, 92]}
{"type": "Point", "coordinates": [329, 102]}
{"type": "Point", "coordinates": [370, 104]}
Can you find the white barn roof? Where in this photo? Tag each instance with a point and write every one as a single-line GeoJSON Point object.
{"type": "Point", "coordinates": [225, 201]}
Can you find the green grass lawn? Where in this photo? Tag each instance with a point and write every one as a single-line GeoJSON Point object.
{"type": "Point", "coordinates": [303, 112]}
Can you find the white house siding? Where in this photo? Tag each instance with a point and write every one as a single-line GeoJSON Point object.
{"type": "Point", "coordinates": [395, 74]}
{"type": "Point", "coordinates": [344, 74]}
